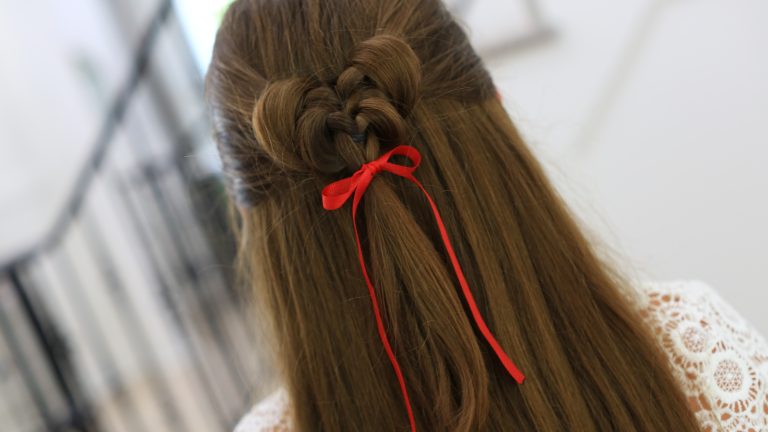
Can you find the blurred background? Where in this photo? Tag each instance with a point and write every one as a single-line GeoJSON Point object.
{"type": "Point", "coordinates": [118, 310]}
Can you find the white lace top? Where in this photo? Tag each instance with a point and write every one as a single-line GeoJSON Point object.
{"type": "Point", "coordinates": [719, 359]}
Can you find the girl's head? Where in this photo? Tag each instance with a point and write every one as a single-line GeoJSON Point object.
{"type": "Point", "coordinates": [305, 91]}
{"type": "Point", "coordinates": [322, 91]}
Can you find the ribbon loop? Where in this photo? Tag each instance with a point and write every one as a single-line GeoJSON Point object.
{"type": "Point", "coordinates": [337, 193]}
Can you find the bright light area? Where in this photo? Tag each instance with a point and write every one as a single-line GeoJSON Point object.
{"type": "Point", "coordinates": [201, 20]}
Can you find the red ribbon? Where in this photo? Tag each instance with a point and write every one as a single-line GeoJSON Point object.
{"type": "Point", "coordinates": [337, 193]}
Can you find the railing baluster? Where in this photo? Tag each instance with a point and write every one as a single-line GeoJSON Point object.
{"type": "Point", "coordinates": [132, 323]}
{"type": "Point", "coordinates": [192, 274]}
{"type": "Point", "coordinates": [99, 342]}
{"type": "Point", "coordinates": [22, 365]}
{"type": "Point", "coordinates": [81, 418]}
{"type": "Point", "coordinates": [168, 299]}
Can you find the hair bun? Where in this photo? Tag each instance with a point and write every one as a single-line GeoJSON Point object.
{"type": "Point", "coordinates": [328, 126]}
{"type": "Point", "coordinates": [393, 66]}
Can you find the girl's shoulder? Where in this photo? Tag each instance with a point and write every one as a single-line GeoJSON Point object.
{"type": "Point", "coordinates": [269, 415]}
{"type": "Point", "coordinates": [720, 359]}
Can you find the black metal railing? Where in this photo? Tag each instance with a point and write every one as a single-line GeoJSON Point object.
{"type": "Point", "coordinates": [124, 317]}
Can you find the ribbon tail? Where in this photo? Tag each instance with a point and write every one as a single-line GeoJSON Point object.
{"type": "Point", "coordinates": [470, 299]}
{"type": "Point", "coordinates": [337, 193]}
{"type": "Point", "coordinates": [379, 320]}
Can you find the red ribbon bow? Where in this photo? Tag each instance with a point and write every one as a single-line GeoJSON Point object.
{"type": "Point", "coordinates": [337, 193]}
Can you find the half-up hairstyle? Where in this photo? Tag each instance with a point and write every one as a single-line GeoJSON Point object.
{"type": "Point", "coordinates": [302, 93]}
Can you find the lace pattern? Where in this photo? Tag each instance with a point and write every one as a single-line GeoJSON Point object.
{"type": "Point", "coordinates": [269, 415]}
{"type": "Point", "coordinates": [719, 359]}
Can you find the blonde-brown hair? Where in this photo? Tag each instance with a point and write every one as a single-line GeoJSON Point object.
{"type": "Point", "coordinates": [302, 93]}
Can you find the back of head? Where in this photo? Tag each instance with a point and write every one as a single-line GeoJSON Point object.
{"type": "Point", "coordinates": [305, 91]}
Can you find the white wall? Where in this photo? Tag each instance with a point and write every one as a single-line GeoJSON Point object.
{"type": "Point", "coordinates": [653, 119]}
{"type": "Point", "coordinates": [60, 64]}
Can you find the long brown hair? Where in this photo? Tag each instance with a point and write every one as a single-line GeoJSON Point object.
{"type": "Point", "coordinates": [302, 93]}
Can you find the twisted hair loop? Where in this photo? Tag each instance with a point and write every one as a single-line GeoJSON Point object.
{"type": "Point", "coordinates": [305, 124]}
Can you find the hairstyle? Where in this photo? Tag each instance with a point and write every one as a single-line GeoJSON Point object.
{"type": "Point", "coordinates": [302, 93]}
